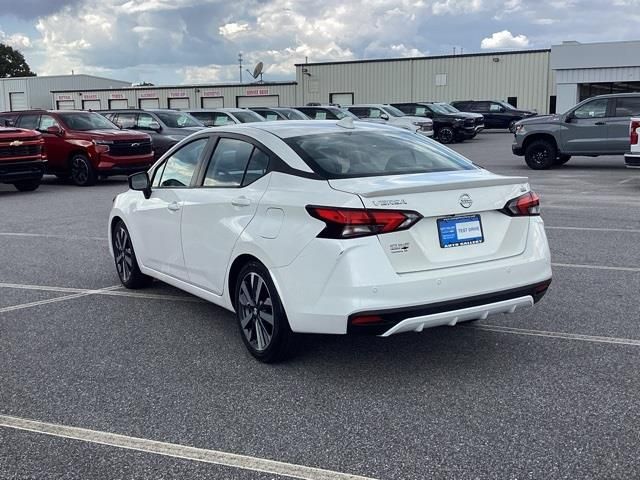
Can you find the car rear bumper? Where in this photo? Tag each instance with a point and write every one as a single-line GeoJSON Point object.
{"type": "Point", "coordinates": [632, 160]}
{"type": "Point", "coordinates": [24, 170]}
{"type": "Point", "coordinates": [355, 278]}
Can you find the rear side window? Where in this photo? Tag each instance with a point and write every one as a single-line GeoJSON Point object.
{"type": "Point", "coordinates": [375, 153]}
{"type": "Point", "coordinates": [228, 163]}
{"type": "Point", "coordinates": [126, 120]}
{"type": "Point", "coordinates": [28, 121]}
{"type": "Point", "coordinates": [257, 167]}
{"type": "Point", "coordinates": [627, 107]}
{"type": "Point", "coordinates": [179, 167]}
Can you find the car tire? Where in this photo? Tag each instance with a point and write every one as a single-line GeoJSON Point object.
{"type": "Point", "coordinates": [262, 320]}
{"type": "Point", "coordinates": [82, 172]}
{"type": "Point", "coordinates": [540, 154]}
{"type": "Point", "coordinates": [562, 159]}
{"type": "Point", "coordinates": [27, 185]}
{"type": "Point", "coordinates": [446, 135]}
{"type": "Point", "coordinates": [125, 258]}
{"type": "Point", "coordinates": [512, 126]}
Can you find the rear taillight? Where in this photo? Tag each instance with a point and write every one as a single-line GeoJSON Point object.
{"type": "Point", "coordinates": [357, 222]}
{"type": "Point", "coordinates": [633, 131]}
{"type": "Point", "coordinates": [523, 206]}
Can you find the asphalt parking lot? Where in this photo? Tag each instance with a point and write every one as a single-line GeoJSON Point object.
{"type": "Point", "coordinates": [550, 393]}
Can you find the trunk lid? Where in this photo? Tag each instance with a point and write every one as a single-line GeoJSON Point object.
{"type": "Point", "coordinates": [441, 196]}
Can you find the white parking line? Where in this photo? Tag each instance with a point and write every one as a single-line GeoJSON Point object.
{"type": "Point", "coordinates": [594, 229]}
{"type": "Point", "coordinates": [56, 299]}
{"type": "Point", "coordinates": [48, 235]}
{"type": "Point", "coordinates": [564, 336]}
{"type": "Point", "coordinates": [596, 267]}
{"type": "Point", "coordinates": [233, 460]}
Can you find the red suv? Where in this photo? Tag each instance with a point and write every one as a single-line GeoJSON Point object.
{"type": "Point", "coordinates": [22, 158]}
{"type": "Point", "coordinates": [85, 145]}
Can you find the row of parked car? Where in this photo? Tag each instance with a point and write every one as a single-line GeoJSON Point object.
{"type": "Point", "coordinates": [83, 146]}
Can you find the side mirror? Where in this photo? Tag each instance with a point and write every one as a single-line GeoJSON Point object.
{"type": "Point", "coordinates": [54, 130]}
{"type": "Point", "coordinates": [568, 117]}
{"type": "Point", "coordinates": [141, 183]}
{"type": "Point", "coordinates": [155, 126]}
{"type": "Point", "coordinates": [384, 116]}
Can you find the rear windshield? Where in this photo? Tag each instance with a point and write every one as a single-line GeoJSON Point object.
{"type": "Point", "coordinates": [248, 117]}
{"type": "Point", "coordinates": [373, 153]}
{"type": "Point", "coordinates": [178, 120]}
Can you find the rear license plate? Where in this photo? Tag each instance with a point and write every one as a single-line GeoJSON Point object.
{"type": "Point", "coordinates": [459, 231]}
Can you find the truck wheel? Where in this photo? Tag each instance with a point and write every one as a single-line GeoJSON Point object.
{"type": "Point", "coordinates": [27, 185]}
{"type": "Point", "coordinates": [446, 135]}
{"type": "Point", "coordinates": [512, 126]}
{"type": "Point", "coordinates": [82, 172]}
{"type": "Point", "coordinates": [562, 159]}
{"type": "Point", "coordinates": [540, 154]}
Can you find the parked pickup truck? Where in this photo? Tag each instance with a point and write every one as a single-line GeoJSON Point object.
{"type": "Point", "coordinates": [596, 126]}
{"type": "Point", "coordinates": [22, 158]}
{"type": "Point", "coordinates": [632, 158]}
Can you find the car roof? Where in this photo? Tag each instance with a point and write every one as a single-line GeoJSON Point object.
{"type": "Point", "coordinates": [616, 95]}
{"type": "Point", "coordinates": [221, 109]}
{"type": "Point", "coordinates": [296, 128]}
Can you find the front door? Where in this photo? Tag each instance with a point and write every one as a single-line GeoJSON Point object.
{"type": "Point", "coordinates": [57, 148]}
{"type": "Point", "coordinates": [216, 213]}
{"type": "Point", "coordinates": [157, 219]}
{"type": "Point", "coordinates": [586, 129]}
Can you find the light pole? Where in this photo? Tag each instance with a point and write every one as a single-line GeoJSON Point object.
{"type": "Point", "coordinates": [240, 65]}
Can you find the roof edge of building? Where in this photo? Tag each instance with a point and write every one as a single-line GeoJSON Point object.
{"type": "Point", "coordinates": [177, 87]}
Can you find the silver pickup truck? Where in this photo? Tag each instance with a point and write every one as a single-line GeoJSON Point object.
{"type": "Point", "coordinates": [596, 126]}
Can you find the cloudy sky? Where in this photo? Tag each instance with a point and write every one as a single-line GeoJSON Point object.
{"type": "Point", "coordinates": [187, 41]}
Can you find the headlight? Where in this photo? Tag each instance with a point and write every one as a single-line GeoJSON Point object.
{"type": "Point", "coordinates": [102, 146]}
{"type": "Point", "coordinates": [519, 128]}
{"type": "Point", "coordinates": [103, 142]}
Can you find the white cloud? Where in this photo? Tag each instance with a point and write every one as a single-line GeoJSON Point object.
{"type": "Point", "coordinates": [232, 29]}
{"type": "Point", "coordinates": [504, 39]}
{"type": "Point", "coordinates": [16, 40]}
{"type": "Point", "coordinates": [456, 7]}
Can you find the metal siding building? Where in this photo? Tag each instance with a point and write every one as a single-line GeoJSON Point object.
{"type": "Point", "coordinates": [35, 92]}
{"type": "Point", "coordinates": [182, 97]}
{"type": "Point", "coordinates": [585, 70]}
{"type": "Point", "coordinates": [524, 77]}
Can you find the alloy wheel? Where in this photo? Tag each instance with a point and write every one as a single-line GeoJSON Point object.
{"type": "Point", "coordinates": [256, 311]}
{"type": "Point", "coordinates": [123, 252]}
{"type": "Point", "coordinates": [79, 171]}
{"type": "Point", "coordinates": [446, 135]}
{"type": "Point", "coordinates": [540, 156]}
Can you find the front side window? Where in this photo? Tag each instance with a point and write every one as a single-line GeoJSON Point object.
{"type": "Point", "coordinates": [496, 107]}
{"type": "Point", "coordinates": [393, 111]}
{"type": "Point", "coordinates": [221, 119]}
{"type": "Point", "coordinates": [179, 168]}
{"type": "Point", "coordinates": [85, 121]}
{"type": "Point", "coordinates": [374, 153]}
{"type": "Point", "coordinates": [374, 113]}
{"type": "Point", "coordinates": [360, 112]}
{"type": "Point", "coordinates": [144, 121]}
{"type": "Point", "coordinates": [178, 120]}
{"type": "Point", "coordinates": [479, 107]}
{"type": "Point", "coordinates": [47, 121]}
{"type": "Point", "coordinates": [627, 107]}
{"type": "Point", "coordinates": [593, 109]}
{"type": "Point", "coordinates": [228, 163]}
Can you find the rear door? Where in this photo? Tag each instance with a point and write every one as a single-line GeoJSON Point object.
{"type": "Point", "coordinates": [216, 213]}
{"type": "Point", "coordinates": [618, 124]}
{"type": "Point", "coordinates": [58, 149]}
{"type": "Point", "coordinates": [587, 131]}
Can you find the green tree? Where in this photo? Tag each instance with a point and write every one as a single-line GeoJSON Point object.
{"type": "Point", "coordinates": [12, 63]}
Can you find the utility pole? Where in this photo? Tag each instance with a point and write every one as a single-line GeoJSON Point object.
{"type": "Point", "coordinates": [240, 65]}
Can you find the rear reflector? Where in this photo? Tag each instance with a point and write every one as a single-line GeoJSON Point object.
{"type": "Point", "coordinates": [366, 320]}
{"type": "Point", "coordinates": [523, 206]}
{"type": "Point", "coordinates": [356, 222]}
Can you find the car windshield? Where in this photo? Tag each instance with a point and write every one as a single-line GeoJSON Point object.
{"type": "Point", "coordinates": [449, 108]}
{"type": "Point", "coordinates": [248, 117]}
{"type": "Point", "coordinates": [393, 111]}
{"type": "Point", "coordinates": [362, 153]}
{"type": "Point", "coordinates": [506, 105]}
{"type": "Point", "coordinates": [293, 114]}
{"type": "Point", "coordinates": [84, 121]}
{"type": "Point", "coordinates": [178, 119]}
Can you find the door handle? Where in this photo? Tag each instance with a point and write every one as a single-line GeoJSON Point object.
{"type": "Point", "coordinates": [601, 123]}
{"type": "Point", "coordinates": [241, 202]}
{"type": "Point", "coordinates": [173, 206]}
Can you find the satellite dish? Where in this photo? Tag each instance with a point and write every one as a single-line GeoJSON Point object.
{"type": "Point", "coordinates": [258, 70]}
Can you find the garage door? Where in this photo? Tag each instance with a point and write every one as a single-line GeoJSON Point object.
{"type": "Point", "coordinates": [263, 101]}
{"type": "Point", "coordinates": [17, 101]}
{"type": "Point", "coordinates": [179, 103]}
{"type": "Point", "coordinates": [149, 103]}
{"type": "Point", "coordinates": [65, 105]}
{"type": "Point", "coordinates": [118, 104]}
{"type": "Point", "coordinates": [341, 98]}
{"type": "Point", "coordinates": [212, 102]}
{"type": "Point", "coordinates": [91, 104]}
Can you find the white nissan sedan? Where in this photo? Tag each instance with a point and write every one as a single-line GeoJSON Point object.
{"type": "Point", "coordinates": [331, 227]}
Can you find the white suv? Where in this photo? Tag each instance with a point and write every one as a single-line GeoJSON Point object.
{"type": "Point", "coordinates": [632, 158]}
{"type": "Point", "coordinates": [382, 113]}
